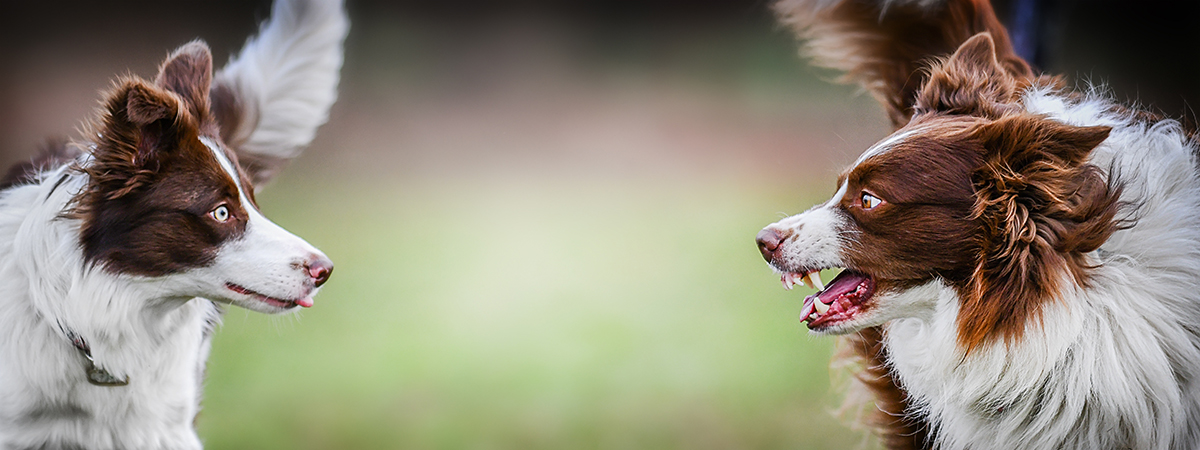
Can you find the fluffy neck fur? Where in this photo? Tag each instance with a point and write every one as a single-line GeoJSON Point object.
{"type": "Point", "coordinates": [159, 343]}
{"type": "Point", "coordinates": [1113, 364]}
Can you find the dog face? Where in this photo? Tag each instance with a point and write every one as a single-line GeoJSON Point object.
{"type": "Point", "coordinates": [973, 195]}
{"type": "Point", "coordinates": [168, 202]}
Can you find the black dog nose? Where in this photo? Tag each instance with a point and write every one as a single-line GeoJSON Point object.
{"type": "Point", "coordinates": [768, 241]}
{"type": "Point", "coordinates": [320, 269]}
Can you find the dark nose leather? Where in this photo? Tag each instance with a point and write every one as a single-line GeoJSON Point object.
{"type": "Point", "coordinates": [320, 269]}
{"type": "Point", "coordinates": [768, 241]}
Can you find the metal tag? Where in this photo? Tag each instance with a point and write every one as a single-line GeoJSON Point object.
{"type": "Point", "coordinates": [101, 377]}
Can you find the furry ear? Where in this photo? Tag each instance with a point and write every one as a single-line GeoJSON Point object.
{"type": "Point", "coordinates": [972, 81]}
{"type": "Point", "coordinates": [1040, 207]}
{"type": "Point", "coordinates": [884, 45]}
{"type": "Point", "coordinates": [139, 121]}
{"type": "Point", "coordinates": [145, 105]}
{"type": "Point", "coordinates": [188, 73]}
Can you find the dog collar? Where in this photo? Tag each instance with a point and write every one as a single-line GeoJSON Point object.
{"type": "Point", "coordinates": [95, 375]}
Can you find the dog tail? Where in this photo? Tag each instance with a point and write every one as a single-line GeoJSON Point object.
{"type": "Point", "coordinates": [885, 45]}
{"type": "Point", "coordinates": [272, 96]}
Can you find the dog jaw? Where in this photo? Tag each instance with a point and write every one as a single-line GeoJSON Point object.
{"type": "Point", "coordinates": [167, 200]}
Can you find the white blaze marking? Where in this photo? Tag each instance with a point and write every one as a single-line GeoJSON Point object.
{"type": "Point", "coordinates": [886, 145]}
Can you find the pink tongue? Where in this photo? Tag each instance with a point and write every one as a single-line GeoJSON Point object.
{"type": "Point", "coordinates": [305, 302]}
{"type": "Point", "coordinates": [846, 282]}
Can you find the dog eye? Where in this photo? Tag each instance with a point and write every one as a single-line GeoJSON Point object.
{"type": "Point", "coordinates": [870, 201]}
{"type": "Point", "coordinates": [221, 214]}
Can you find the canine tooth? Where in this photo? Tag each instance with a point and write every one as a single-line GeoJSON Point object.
{"type": "Point", "coordinates": [807, 282]}
{"type": "Point", "coordinates": [815, 276]}
{"type": "Point", "coordinates": [821, 307]}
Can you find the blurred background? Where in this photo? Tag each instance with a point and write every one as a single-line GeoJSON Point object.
{"type": "Point", "coordinates": [542, 215]}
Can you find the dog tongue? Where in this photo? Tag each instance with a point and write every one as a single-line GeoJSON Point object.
{"type": "Point", "coordinates": [305, 302]}
{"type": "Point", "coordinates": [845, 283]}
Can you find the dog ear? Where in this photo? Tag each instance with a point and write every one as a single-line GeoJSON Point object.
{"type": "Point", "coordinates": [1039, 207]}
{"type": "Point", "coordinates": [188, 73]}
{"type": "Point", "coordinates": [884, 45]}
{"type": "Point", "coordinates": [144, 105]}
{"type": "Point", "coordinates": [973, 81]}
{"type": "Point", "coordinates": [270, 99]}
{"type": "Point", "coordinates": [139, 121]}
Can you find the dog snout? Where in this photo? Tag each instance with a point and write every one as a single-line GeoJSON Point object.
{"type": "Point", "coordinates": [319, 268]}
{"type": "Point", "coordinates": [768, 242]}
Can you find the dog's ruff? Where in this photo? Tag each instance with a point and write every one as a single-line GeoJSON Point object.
{"type": "Point", "coordinates": [1026, 258]}
{"type": "Point", "coordinates": [128, 240]}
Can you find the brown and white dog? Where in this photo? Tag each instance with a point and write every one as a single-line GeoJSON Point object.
{"type": "Point", "coordinates": [117, 249]}
{"type": "Point", "coordinates": [1021, 260]}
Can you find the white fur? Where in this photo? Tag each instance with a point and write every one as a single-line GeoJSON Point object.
{"type": "Point", "coordinates": [817, 232]}
{"type": "Point", "coordinates": [1115, 364]}
{"type": "Point", "coordinates": [152, 330]}
{"type": "Point", "coordinates": [135, 327]}
{"type": "Point", "coordinates": [287, 77]}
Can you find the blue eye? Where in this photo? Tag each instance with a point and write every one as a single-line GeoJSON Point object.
{"type": "Point", "coordinates": [221, 214]}
{"type": "Point", "coordinates": [870, 201]}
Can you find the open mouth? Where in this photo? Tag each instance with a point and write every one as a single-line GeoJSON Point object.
{"type": "Point", "coordinates": [276, 302]}
{"type": "Point", "coordinates": [840, 301]}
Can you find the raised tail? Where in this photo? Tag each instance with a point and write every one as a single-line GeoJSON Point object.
{"type": "Point", "coordinates": [272, 96]}
{"type": "Point", "coordinates": [885, 45]}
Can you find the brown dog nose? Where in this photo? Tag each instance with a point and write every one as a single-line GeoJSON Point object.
{"type": "Point", "coordinates": [319, 269]}
{"type": "Point", "coordinates": [768, 241]}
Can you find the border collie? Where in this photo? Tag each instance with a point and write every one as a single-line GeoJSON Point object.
{"type": "Point", "coordinates": [119, 249]}
{"type": "Point", "coordinates": [1021, 260]}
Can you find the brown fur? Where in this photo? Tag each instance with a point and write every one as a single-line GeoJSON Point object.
{"type": "Point", "coordinates": [897, 429]}
{"type": "Point", "coordinates": [972, 82]}
{"type": "Point", "coordinates": [884, 49]}
{"type": "Point", "coordinates": [1016, 205]}
{"type": "Point", "coordinates": [1040, 208]}
{"type": "Point", "coordinates": [152, 183]}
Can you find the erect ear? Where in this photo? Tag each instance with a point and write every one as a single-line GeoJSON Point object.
{"type": "Point", "coordinates": [1039, 207]}
{"type": "Point", "coordinates": [144, 104]}
{"type": "Point", "coordinates": [188, 73]}
{"type": "Point", "coordinates": [885, 46]}
{"type": "Point", "coordinates": [140, 121]}
{"type": "Point", "coordinates": [973, 81]}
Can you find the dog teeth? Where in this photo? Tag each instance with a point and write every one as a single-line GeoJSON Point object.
{"type": "Point", "coordinates": [820, 306]}
{"type": "Point", "coordinates": [807, 282]}
{"type": "Point", "coordinates": [814, 278]}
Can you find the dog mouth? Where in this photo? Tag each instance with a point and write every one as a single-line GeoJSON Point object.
{"type": "Point", "coordinates": [306, 302]}
{"type": "Point", "coordinates": [842, 300]}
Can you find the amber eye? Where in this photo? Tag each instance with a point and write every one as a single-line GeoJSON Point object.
{"type": "Point", "coordinates": [221, 214]}
{"type": "Point", "coordinates": [870, 201]}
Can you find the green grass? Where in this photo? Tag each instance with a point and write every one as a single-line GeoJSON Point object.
{"type": "Point", "coordinates": [547, 314]}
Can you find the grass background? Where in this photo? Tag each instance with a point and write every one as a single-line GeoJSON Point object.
{"type": "Point", "coordinates": [531, 315]}
{"type": "Point", "coordinates": [542, 224]}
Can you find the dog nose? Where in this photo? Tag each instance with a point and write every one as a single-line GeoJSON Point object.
{"type": "Point", "coordinates": [319, 269]}
{"type": "Point", "coordinates": [768, 241]}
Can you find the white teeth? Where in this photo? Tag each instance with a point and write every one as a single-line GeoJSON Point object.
{"type": "Point", "coordinates": [813, 316]}
{"type": "Point", "coordinates": [820, 306]}
{"type": "Point", "coordinates": [814, 277]}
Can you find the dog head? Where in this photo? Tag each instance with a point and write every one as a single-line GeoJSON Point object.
{"type": "Point", "coordinates": [167, 201]}
{"type": "Point", "coordinates": [974, 194]}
